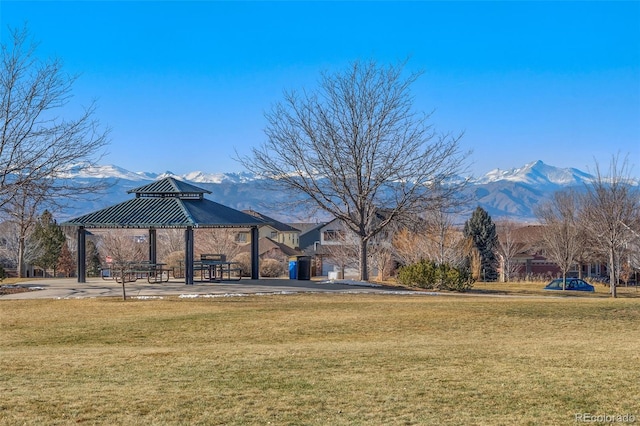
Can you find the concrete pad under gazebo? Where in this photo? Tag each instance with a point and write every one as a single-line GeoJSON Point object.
{"type": "Point", "coordinates": [167, 203]}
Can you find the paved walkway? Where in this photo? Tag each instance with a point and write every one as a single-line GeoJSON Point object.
{"type": "Point", "coordinates": [69, 288]}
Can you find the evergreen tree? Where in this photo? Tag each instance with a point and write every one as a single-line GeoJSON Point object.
{"type": "Point", "coordinates": [481, 229]}
{"type": "Point", "coordinates": [50, 239]}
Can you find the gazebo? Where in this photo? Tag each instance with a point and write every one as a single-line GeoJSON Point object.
{"type": "Point", "coordinates": [167, 203]}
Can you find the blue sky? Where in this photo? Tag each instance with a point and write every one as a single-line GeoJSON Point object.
{"type": "Point", "coordinates": [184, 85]}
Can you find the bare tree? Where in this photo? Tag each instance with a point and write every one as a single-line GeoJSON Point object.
{"type": "Point", "coordinates": [36, 145]}
{"type": "Point", "coordinates": [342, 250]}
{"type": "Point", "coordinates": [381, 251]}
{"type": "Point", "coordinates": [354, 146]}
{"type": "Point", "coordinates": [124, 250]}
{"type": "Point", "coordinates": [217, 240]}
{"type": "Point", "coordinates": [22, 210]}
{"type": "Point", "coordinates": [411, 246]}
{"type": "Point", "coordinates": [433, 237]}
{"type": "Point", "coordinates": [170, 241]}
{"type": "Point", "coordinates": [610, 204]}
{"type": "Point", "coordinates": [631, 261]}
{"type": "Point", "coordinates": [444, 238]}
{"type": "Point", "coordinates": [381, 258]}
{"type": "Point", "coordinates": [8, 244]}
{"type": "Point", "coordinates": [561, 236]}
{"type": "Point", "coordinates": [508, 248]}
{"type": "Point", "coordinates": [473, 257]}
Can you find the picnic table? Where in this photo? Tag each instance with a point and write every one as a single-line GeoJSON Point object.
{"type": "Point", "coordinates": [131, 271]}
{"type": "Point", "coordinates": [218, 270]}
{"type": "Point", "coordinates": [215, 267]}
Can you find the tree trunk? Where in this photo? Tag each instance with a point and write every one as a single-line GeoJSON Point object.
{"type": "Point", "coordinates": [124, 291]}
{"type": "Point", "coordinates": [21, 265]}
{"type": "Point", "coordinates": [364, 270]}
{"type": "Point", "coordinates": [612, 273]}
{"type": "Point", "coordinates": [580, 274]}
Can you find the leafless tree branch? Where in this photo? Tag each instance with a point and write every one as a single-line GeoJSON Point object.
{"type": "Point", "coordinates": [355, 146]}
{"type": "Point", "coordinates": [36, 144]}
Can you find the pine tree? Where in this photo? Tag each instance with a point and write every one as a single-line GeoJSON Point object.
{"type": "Point", "coordinates": [50, 239]}
{"type": "Point", "coordinates": [481, 229]}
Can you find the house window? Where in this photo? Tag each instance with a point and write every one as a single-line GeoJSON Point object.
{"type": "Point", "coordinates": [332, 235]}
{"type": "Point", "coordinates": [241, 237]}
{"type": "Point", "coordinates": [274, 235]}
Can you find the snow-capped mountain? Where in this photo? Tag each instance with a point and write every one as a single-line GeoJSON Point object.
{"type": "Point", "coordinates": [202, 177]}
{"type": "Point", "coordinates": [538, 173]}
{"type": "Point", "coordinates": [510, 193]}
{"type": "Point", "coordinates": [82, 170]}
{"type": "Point", "coordinates": [515, 193]}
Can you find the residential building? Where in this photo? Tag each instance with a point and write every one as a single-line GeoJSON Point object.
{"type": "Point", "coordinates": [272, 229]}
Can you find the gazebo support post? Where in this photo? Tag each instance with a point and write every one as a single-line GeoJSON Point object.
{"type": "Point", "coordinates": [188, 255]}
{"type": "Point", "coordinates": [255, 254]}
{"type": "Point", "coordinates": [153, 253]}
{"type": "Point", "coordinates": [82, 255]}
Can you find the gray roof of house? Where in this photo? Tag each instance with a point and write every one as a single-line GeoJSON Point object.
{"type": "Point", "coordinates": [266, 244]}
{"type": "Point", "coordinates": [167, 203]}
{"type": "Point", "coordinates": [279, 226]}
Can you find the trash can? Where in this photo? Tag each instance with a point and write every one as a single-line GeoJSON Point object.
{"type": "Point", "coordinates": [293, 269]}
{"type": "Point", "coordinates": [300, 268]}
{"type": "Point", "coordinates": [304, 268]}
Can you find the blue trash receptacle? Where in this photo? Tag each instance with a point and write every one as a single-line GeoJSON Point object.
{"type": "Point", "coordinates": [293, 269]}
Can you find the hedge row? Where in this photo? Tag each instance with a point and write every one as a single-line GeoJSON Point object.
{"type": "Point", "coordinates": [429, 275]}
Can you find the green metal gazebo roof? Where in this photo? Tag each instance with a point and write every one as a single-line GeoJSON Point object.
{"type": "Point", "coordinates": [167, 203]}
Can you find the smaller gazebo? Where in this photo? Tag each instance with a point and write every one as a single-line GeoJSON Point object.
{"type": "Point", "coordinates": [167, 203]}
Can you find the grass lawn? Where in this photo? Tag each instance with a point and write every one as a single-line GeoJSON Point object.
{"type": "Point", "coordinates": [319, 359]}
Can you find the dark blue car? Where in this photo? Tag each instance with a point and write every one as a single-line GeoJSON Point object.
{"type": "Point", "coordinates": [574, 284]}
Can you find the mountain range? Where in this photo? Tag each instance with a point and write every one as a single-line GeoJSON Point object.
{"type": "Point", "coordinates": [512, 193]}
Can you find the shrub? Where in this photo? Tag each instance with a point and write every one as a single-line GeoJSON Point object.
{"type": "Point", "coordinates": [271, 268]}
{"type": "Point", "coordinates": [429, 275]}
{"type": "Point", "coordinates": [244, 263]}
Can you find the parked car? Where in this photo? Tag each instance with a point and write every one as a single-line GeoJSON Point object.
{"type": "Point", "coordinates": [574, 284]}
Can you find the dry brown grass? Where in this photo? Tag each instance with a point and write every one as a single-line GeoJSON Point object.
{"type": "Point", "coordinates": [319, 359]}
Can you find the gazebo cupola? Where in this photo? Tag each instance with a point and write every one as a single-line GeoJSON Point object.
{"type": "Point", "coordinates": [170, 187]}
